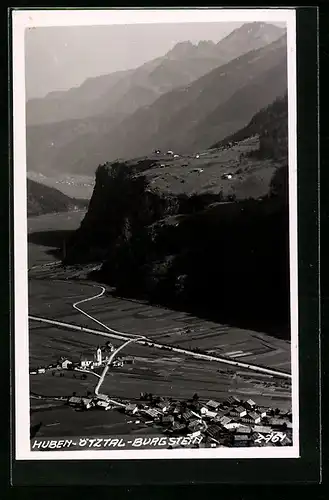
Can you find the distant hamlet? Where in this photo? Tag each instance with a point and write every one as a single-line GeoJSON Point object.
{"type": "Point", "coordinates": [42, 199]}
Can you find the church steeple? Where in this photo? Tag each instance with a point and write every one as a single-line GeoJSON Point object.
{"type": "Point", "coordinates": [99, 356]}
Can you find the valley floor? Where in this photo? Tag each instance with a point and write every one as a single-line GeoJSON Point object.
{"type": "Point", "coordinates": [162, 373]}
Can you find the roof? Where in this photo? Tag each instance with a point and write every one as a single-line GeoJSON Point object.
{"type": "Point", "coordinates": [243, 429]}
{"type": "Point", "coordinates": [131, 406]}
{"type": "Point", "coordinates": [86, 400]}
{"type": "Point", "coordinates": [242, 437]}
{"type": "Point", "coordinates": [262, 428]}
{"type": "Point", "coordinates": [101, 402]}
{"type": "Point", "coordinates": [277, 421]}
{"type": "Point", "coordinates": [214, 430]}
{"type": "Point", "coordinates": [103, 397]}
{"type": "Point", "coordinates": [240, 409]}
{"type": "Point", "coordinates": [152, 412]}
{"type": "Point", "coordinates": [168, 418]}
{"type": "Point", "coordinates": [225, 420]}
{"type": "Point", "coordinates": [233, 399]}
{"type": "Point", "coordinates": [163, 404]}
{"type": "Point", "coordinates": [213, 404]}
{"type": "Point", "coordinates": [75, 399]}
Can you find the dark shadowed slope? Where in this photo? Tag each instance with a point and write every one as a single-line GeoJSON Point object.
{"type": "Point", "coordinates": [271, 125]}
{"type": "Point", "coordinates": [233, 114]}
{"type": "Point", "coordinates": [43, 199]}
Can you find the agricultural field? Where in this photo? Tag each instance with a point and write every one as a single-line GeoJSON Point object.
{"type": "Point", "coordinates": [157, 323]}
{"type": "Point", "coordinates": [163, 373]}
{"type": "Point", "coordinates": [203, 172]}
{"type": "Point", "coordinates": [65, 421]}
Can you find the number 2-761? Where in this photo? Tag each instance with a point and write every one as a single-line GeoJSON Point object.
{"type": "Point", "coordinates": [273, 437]}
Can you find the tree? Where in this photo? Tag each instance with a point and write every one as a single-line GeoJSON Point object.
{"type": "Point", "coordinates": [279, 183]}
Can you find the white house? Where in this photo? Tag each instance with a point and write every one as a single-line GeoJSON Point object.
{"type": "Point", "coordinates": [239, 411]}
{"type": "Point", "coordinates": [211, 414]}
{"type": "Point", "coordinates": [250, 404]}
{"type": "Point", "coordinates": [262, 412]}
{"type": "Point", "coordinates": [87, 402]}
{"type": "Point", "coordinates": [87, 360]}
{"type": "Point", "coordinates": [163, 405]}
{"type": "Point", "coordinates": [203, 410]}
{"type": "Point", "coordinates": [254, 417]}
{"type": "Point", "coordinates": [102, 404]}
{"type": "Point", "coordinates": [232, 425]}
{"type": "Point", "coordinates": [66, 363]}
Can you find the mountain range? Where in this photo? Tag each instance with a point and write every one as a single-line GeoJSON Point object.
{"type": "Point", "coordinates": [192, 97]}
{"type": "Point", "coordinates": [42, 199]}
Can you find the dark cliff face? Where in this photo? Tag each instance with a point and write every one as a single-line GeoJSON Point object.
{"type": "Point", "coordinates": [201, 251]}
{"type": "Point", "coordinates": [229, 261]}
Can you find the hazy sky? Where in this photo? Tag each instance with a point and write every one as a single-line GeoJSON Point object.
{"type": "Point", "coordinates": [58, 58]}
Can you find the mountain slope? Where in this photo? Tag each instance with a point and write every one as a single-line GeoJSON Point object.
{"type": "Point", "coordinates": [185, 119]}
{"type": "Point", "coordinates": [126, 91]}
{"type": "Point", "coordinates": [270, 124]}
{"type": "Point", "coordinates": [176, 247]}
{"type": "Point", "coordinates": [234, 113]}
{"type": "Point", "coordinates": [42, 199]}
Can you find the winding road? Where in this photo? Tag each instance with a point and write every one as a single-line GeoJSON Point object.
{"type": "Point", "coordinates": [128, 338]}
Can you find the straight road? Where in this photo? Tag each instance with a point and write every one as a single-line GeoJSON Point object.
{"type": "Point", "coordinates": [150, 343]}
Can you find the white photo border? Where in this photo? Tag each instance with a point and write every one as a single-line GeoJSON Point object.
{"type": "Point", "coordinates": [29, 19]}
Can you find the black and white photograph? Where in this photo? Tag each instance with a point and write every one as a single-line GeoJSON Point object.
{"type": "Point", "coordinates": [155, 219]}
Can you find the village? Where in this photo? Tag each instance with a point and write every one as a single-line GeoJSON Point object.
{"type": "Point", "coordinates": [88, 361]}
{"type": "Point", "coordinates": [232, 422]}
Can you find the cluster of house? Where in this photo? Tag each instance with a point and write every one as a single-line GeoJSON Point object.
{"type": "Point", "coordinates": [232, 422]}
{"type": "Point", "coordinates": [87, 361]}
{"type": "Point", "coordinates": [169, 152]}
